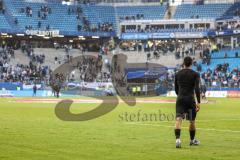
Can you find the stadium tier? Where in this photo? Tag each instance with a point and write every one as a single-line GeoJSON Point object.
{"type": "Point", "coordinates": [232, 11]}
{"type": "Point", "coordinates": [233, 64]}
{"type": "Point", "coordinates": [100, 14]}
{"type": "Point", "coordinates": [213, 11]}
{"type": "Point", "coordinates": [32, 15]}
{"type": "Point", "coordinates": [100, 18]}
{"type": "Point", "coordinates": [148, 12]}
{"type": "Point", "coordinates": [58, 20]}
{"type": "Point", "coordinates": [225, 54]}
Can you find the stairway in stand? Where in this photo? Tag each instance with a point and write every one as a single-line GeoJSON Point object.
{"type": "Point", "coordinates": [170, 12]}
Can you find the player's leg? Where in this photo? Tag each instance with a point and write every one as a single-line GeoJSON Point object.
{"type": "Point", "coordinates": [180, 110]}
{"type": "Point", "coordinates": [178, 125]}
{"type": "Point", "coordinates": [177, 131]}
{"type": "Point", "coordinates": [192, 130]}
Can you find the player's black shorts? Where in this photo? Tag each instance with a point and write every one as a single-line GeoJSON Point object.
{"type": "Point", "coordinates": [186, 108]}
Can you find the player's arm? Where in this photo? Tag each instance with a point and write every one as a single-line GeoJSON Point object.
{"type": "Point", "coordinates": [176, 84]}
{"type": "Point", "coordinates": [197, 92]}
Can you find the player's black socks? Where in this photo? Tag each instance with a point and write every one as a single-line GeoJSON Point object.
{"type": "Point", "coordinates": [177, 133]}
{"type": "Point", "coordinates": [192, 134]}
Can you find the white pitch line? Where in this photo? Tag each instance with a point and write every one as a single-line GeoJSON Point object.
{"type": "Point", "coordinates": [206, 129]}
{"type": "Point", "coordinates": [237, 119]}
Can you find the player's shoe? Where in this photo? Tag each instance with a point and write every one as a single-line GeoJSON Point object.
{"type": "Point", "coordinates": [194, 142]}
{"type": "Point", "coordinates": [178, 143]}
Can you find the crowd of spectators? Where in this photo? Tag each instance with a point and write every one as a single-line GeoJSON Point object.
{"type": "Point", "coordinates": [205, 56]}
{"type": "Point", "coordinates": [133, 17]}
{"type": "Point", "coordinates": [39, 59]}
{"type": "Point", "coordinates": [42, 14]}
{"type": "Point", "coordinates": [6, 53]}
{"type": "Point", "coordinates": [222, 76]}
{"type": "Point", "coordinates": [105, 27]}
{"type": "Point", "coordinates": [89, 68]}
{"type": "Point", "coordinates": [36, 59]}
{"type": "Point", "coordinates": [237, 12]}
{"type": "Point", "coordinates": [24, 73]}
{"type": "Point", "coordinates": [234, 24]}
{"type": "Point", "coordinates": [182, 51]}
{"type": "Point", "coordinates": [27, 10]}
{"type": "Point", "coordinates": [101, 27]}
{"type": "Point", "coordinates": [19, 72]}
{"type": "Point", "coordinates": [162, 28]}
{"type": "Point", "coordinates": [156, 48]}
{"type": "Point", "coordinates": [85, 25]}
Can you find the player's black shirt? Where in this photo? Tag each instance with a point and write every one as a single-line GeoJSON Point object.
{"type": "Point", "coordinates": [186, 82]}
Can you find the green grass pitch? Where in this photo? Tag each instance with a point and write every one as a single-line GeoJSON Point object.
{"type": "Point", "coordinates": [33, 132]}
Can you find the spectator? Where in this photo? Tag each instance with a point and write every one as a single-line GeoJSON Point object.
{"type": "Point", "coordinates": [225, 55]}
{"type": "Point", "coordinates": [48, 27]}
{"type": "Point", "coordinates": [39, 24]}
{"type": "Point", "coordinates": [34, 90]}
{"type": "Point", "coordinates": [39, 14]}
{"type": "Point", "coordinates": [16, 21]}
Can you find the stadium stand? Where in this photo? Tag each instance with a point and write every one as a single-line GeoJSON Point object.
{"type": "Point", "coordinates": [35, 15]}
{"type": "Point", "coordinates": [201, 11]}
{"type": "Point", "coordinates": [100, 14]}
{"type": "Point", "coordinates": [55, 20]}
{"type": "Point", "coordinates": [85, 17]}
{"type": "Point", "coordinates": [141, 12]}
{"type": "Point", "coordinates": [222, 70]}
{"type": "Point", "coordinates": [226, 54]}
{"type": "Point", "coordinates": [99, 18]}
{"type": "Point", "coordinates": [232, 11]}
{"type": "Point", "coordinates": [233, 63]}
{"type": "Point", "coordinates": [26, 15]}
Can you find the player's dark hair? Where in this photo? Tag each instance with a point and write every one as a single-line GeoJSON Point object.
{"type": "Point", "coordinates": [188, 61]}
